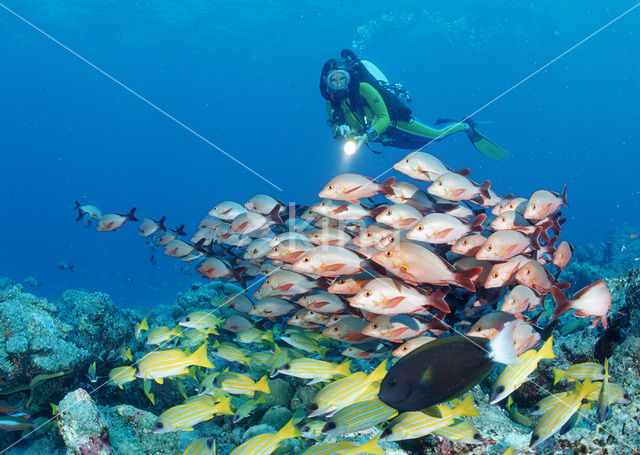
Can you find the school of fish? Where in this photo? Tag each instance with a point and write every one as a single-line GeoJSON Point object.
{"type": "Point", "coordinates": [441, 273]}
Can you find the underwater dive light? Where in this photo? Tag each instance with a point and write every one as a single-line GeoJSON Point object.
{"type": "Point", "coordinates": [351, 146]}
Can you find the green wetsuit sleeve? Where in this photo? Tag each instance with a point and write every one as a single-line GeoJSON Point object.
{"type": "Point", "coordinates": [334, 127]}
{"type": "Point", "coordinates": [381, 120]}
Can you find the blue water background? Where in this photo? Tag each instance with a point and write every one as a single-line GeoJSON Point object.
{"type": "Point", "coordinates": [244, 74]}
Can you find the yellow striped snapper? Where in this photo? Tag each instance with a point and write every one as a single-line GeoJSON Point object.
{"type": "Point", "coordinates": [513, 376]}
{"type": "Point", "coordinates": [161, 334]}
{"type": "Point", "coordinates": [254, 335]}
{"type": "Point", "coordinates": [460, 431]}
{"type": "Point", "coordinates": [300, 341]}
{"type": "Point", "coordinates": [346, 448]}
{"type": "Point", "coordinates": [579, 371]}
{"type": "Point", "coordinates": [146, 387]}
{"type": "Point", "coordinates": [207, 383]}
{"type": "Point", "coordinates": [125, 354]}
{"type": "Point", "coordinates": [184, 416]}
{"type": "Point", "coordinates": [313, 429]}
{"type": "Point", "coordinates": [201, 320]}
{"type": "Point", "coordinates": [261, 361]}
{"type": "Point", "coordinates": [230, 352]}
{"type": "Point", "coordinates": [343, 392]}
{"type": "Point", "coordinates": [122, 375]}
{"type": "Point", "coordinates": [239, 384]}
{"type": "Point", "coordinates": [553, 420]}
{"type": "Point", "coordinates": [139, 327]}
{"type": "Point", "coordinates": [604, 398]}
{"type": "Point", "coordinates": [193, 337]}
{"type": "Point", "coordinates": [181, 389]}
{"type": "Point", "coordinates": [415, 424]}
{"type": "Point", "coordinates": [264, 444]}
{"type": "Point", "coordinates": [516, 416]}
{"type": "Point", "coordinates": [359, 417]}
{"type": "Point", "coordinates": [174, 362]}
{"type": "Point", "coordinates": [247, 407]}
{"type": "Point", "coordinates": [317, 370]}
{"type": "Point", "coordinates": [202, 446]}
{"type": "Point", "coordinates": [577, 417]}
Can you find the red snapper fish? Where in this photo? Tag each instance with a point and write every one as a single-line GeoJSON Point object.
{"type": "Point", "coordinates": [438, 228]}
{"type": "Point", "coordinates": [250, 222]}
{"type": "Point", "coordinates": [401, 327]}
{"type": "Point", "coordinates": [289, 251]}
{"type": "Point", "coordinates": [543, 203]}
{"type": "Point", "coordinates": [503, 245]}
{"type": "Point", "coordinates": [592, 300]}
{"type": "Point", "coordinates": [370, 235]}
{"type": "Point", "coordinates": [272, 307]}
{"type": "Point", "coordinates": [349, 330]}
{"type": "Point", "coordinates": [350, 284]}
{"type": "Point", "coordinates": [562, 255]}
{"type": "Point", "coordinates": [522, 299]}
{"type": "Point", "coordinates": [455, 187]}
{"type": "Point", "coordinates": [416, 264]}
{"type": "Point", "coordinates": [536, 277]}
{"type": "Point", "coordinates": [517, 204]}
{"type": "Point", "coordinates": [388, 296]}
{"type": "Point", "coordinates": [353, 187]}
{"type": "Point", "coordinates": [329, 261]}
{"type": "Point", "coordinates": [262, 203]}
{"type": "Point", "coordinates": [112, 221]}
{"type": "Point", "coordinates": [424, 167]}
{"type": "Point", "coordinates": [504, 273]}
{"type": "Point", "coordinates": [322, 301]}
{"type": "Point", "coordinates": [227, 210]}
{"type": "Point", "coordinates": [170, 235]}
{"type": "Point", "coordinates": [329, 236]}
{"type": "Point", "coordinates": [469, 245]}
{"type": "Point", "coordinates": [341, 211]}
{"type": "Point", "coordinates": [203, 233]}
{"type": "Point", "coordinates": [399, 216]}
{"type": "Point", "coordinates": [408, 193]}
{"type": "Point", "coordinates": [285, 283]}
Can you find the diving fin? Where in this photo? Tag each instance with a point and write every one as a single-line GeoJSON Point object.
{"type": "Point", "coordinates": [485, 145]}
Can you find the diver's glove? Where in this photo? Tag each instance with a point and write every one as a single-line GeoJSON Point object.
{"type": "Point", "coordinates": [343, 131]}
{"type": "Point", "coordinates": [371, 135]}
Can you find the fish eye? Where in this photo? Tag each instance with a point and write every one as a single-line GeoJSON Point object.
{"type": "Point", "coordinates": [533, 206]}
{"type": "Point", "coordinates": [367, 293]}
{"type": "Point", "coordinates": [500, 389]}
{"type": "Point", "coordinates": [316, 235]}
{"type": "Point", "coordinates": [489, 247]}
{"type": "Point", "coordinates": [342, 281]}
{"type": "Point", "coordinates": [314, 407]}
{"type": "Point", "coordinates": [388, 213]}
{"type": "Point", "coordinates": [306, 259]}
{"type": "Point", "coordinates": [479, 329]}
{"type": "Point", "coordinates": [439, 183]}
{"type": "Point", "coordinates": [420, 228]}
{"type": "Point", "coordinates": [186, 319]}
{"type": "Point", "coordinates": [404, 348]}
{"type": "Point", "coordinates": [464, 242]}
{"type": "Point", "coordinates": [393, 382]}
{"type": "Point", "coordinates": [388, 253]}
{"type": "Point", "coordinates": [374, 326]}
{"type": "Point", "coordinates": [286, 366]}
{"type": "Point", "coordinates": [495, 274]}
{"type": "Point", "coordinates": [406, 161]}
{"type": "Point", "coordinates": [276, 249]}
{"type": "Point", "coordinates": [369, 234]}
{"type": "Point", "coordinates": [503, 219]}
{"type": "Point", "coordinates": [528, 272]}
{"type": "Point", "coordinates": [322, 204]}
{"type": "Point", "coordinates": [330, 187]}
{"type": "Point", "coordinates": [336, 329]}
{"type": "Point", "coordinates": [159, 425]}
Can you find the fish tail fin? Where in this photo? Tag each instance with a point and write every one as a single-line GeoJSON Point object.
{"type": "Point", "coordinates": [263, 385]}
{"type": "Point", "coordinates": [588, 387]}
{"type": "Point", "coordinates": [144, 325]}
{"type": "Point", "coordinates": [132, 215]}
{"type": "Point", "coordinates": [160, 223]}
{"type": "Point", "coordinates": [466, 407]}
{"type": "Point", "coordinates": [484, 189]}
{"type": "Point", "coordinates": [386, 185]}
{"type": "Point", "coordinates": [533, 238]}
{"type": "Point", "coordinates": [322, 352]}
{"type": "Point", "coordinates": [464, 278]}
{"type": "Point", "coordinates": [268, 336]}
{"type": "Point", "coordinates": [70, 268]}
{"type": "Point", "coordinates": [379, 373]}
{"type": "Point", "coordinates": [224, 407]}
{"type": "Point", "coordinates": [80, 214]}
{"type": "Point", "coordinates": [546, 351]}
{"type": "Point", "coordinates": [288, 431]}
{"type": "Point", "coordinates": [274, 214]}
{"type": "Point", "coordinates": [463, 172]}
{"type": "Point", "coordinates": [372, 447]}
{"type": "Point", "coordinates": [558, 375]}
{"type": "Point", "coordinates": [180, 231]}
{"type": "Point", "coordinates": [176, 331]}
{"type": "Point", "coordinates": [563, 195]}
{"type": "Point", "coordinates": [199, 357]}
{"type": "Point", "coordinates": [77, 207]}
{"type": "Point", "coordinates": [562, 302]}
{"type": "Point", "coordinates": [502, 347]}
{"type": "Point", "coordinates": [344, 369]}
{"type": "Point", "coordinates": [476, 223]}
{"type": "Point", "coordinates": [437, 300]}
{"type": "Point", "coordinates": [152, 398]}
{"type": "Point", "coordinates": [237, 275]}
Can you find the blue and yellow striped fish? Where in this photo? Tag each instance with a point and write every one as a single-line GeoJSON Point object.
{"type": "Point", "coordinates": [239, 384]}
{"type": "Point", "coordinates": [139, 327]}
{"type": "Point", "coordinates": [254, 335]}
{"type": "Point", "coordinates": [230, 352]}
{"type": "Point", "coordinates": [163, 334]}
{"type": "Point", "coordinates": [553, 420]}
{"type": "Point", "coordinates": [245, 409]}
{"type": "Point", "coordinates": [122, 375]}
{"type": "Point", "coordinates": [516, 416]}
{"type": "Point", "coordinates": [174, 362]}
{"type": "Point", "coordinates": [314, 369]}
{"type": "Point", "coordinates": [264, 444]}
{"type": "Point", "coordinates": [202, 446]}
{"type": "Point", "coordinates": [146, 387]}
{"type": "Point", "coordinates": [184, 416]}
{"type": "Point", "coordinates": [460, 431]}
{"type": "Point", "coordinates": [303, 342]}
{"type": "Point", "coordinates": [604, 398]}
{"type": "Point", "coordinates": [359, 417]}
{"type": "Point", "coordinates": [193, 337]}
{"type": "Point", "coordinates": [346, 448]}
{"type": "Point", "coordinates": [204, 320]}
{"type": "Point", "coordinates": [579, 371]}
{"type": "Point", "coordinates": [513, 376]}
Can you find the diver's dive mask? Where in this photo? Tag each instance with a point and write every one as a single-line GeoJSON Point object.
{"type": "Point", "coordinates": [338, 80]}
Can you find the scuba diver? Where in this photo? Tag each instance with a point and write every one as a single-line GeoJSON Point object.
{"type": "Point", "coordinates": [363, 107]}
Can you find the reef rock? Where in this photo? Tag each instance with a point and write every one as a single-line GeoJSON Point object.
{"type": "Point", "coordinates": [82, 426]}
